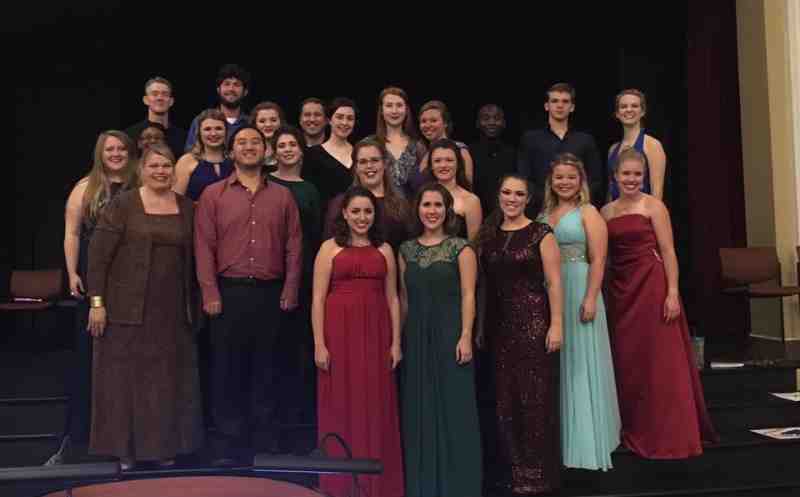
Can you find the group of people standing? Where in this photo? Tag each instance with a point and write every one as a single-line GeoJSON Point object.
{"type": "Point", "coordinates": [373, 262]}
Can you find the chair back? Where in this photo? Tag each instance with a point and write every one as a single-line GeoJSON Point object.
{"type": "Point", "coordinates": [749, 265]}
{"type": "Point", "coordinates": [45, 284]}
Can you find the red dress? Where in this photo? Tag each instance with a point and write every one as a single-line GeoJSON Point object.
{"type": "Point", "coordinates": [660, 396]}
{"type": "Point", "coordinates": [357, 396]}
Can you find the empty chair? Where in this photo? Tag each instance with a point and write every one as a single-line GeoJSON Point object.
{"type": "Point", "coordinates": [34, 290]}
{"type": "Point", "coordinates": [754, 272]}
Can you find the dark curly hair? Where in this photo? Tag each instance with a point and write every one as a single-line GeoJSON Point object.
{"type": "Point", "coordinates": [341, 231]}
{"type": "Point", "coordinates": [450, 225]}
{"type": "Point", "coordinates": [286, 129]}
{"type": "Point", "coordinates": [236, 72]}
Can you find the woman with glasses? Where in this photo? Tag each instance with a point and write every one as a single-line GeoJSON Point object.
{"type": "Point", "coordinates": [370, 158]}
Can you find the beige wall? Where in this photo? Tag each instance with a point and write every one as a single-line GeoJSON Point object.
{"type": "Point", "coordinates": [767, 98]}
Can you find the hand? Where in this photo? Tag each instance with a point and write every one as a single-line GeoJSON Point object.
{"type": "Point", "coordinates": [76, 286]}
{"type": "Point", "coordinates": [288, 304]}
{"type": "Point", "coordinates": [321, 357]}
{"type": "Point", "coordinates": [213, 308]}
{"type": "Point", "coordinates": [588, 309]}
{"type": "Point", "coordinates": [97, 321]}
{"type": "Point", "coordinates": [395, 356]}
{"type": "Point", "coordinates": [672, 308]}
{"type": "Point", "coordinates": [552, 342]}
{"type": "Point", "coordinates": [463, 350]}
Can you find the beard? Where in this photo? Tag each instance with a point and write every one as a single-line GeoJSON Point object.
{"type": "Point", "coordinates": [231, 104]}
{"type": "Point", "coordinates": [320, 131]}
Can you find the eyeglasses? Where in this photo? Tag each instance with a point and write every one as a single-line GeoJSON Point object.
{"type": "Point", "coordinates": [369, 160]}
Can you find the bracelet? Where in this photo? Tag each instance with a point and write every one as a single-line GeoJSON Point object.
{"type": "Point", "coordinates": [96, 301]}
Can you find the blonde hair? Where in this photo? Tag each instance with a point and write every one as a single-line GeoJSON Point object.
{"type": "Point", "coordinates": [98, 187]}
{"type": "Point", "coordinates": [630, 153]}
{"type": "Point", "coordinates": [157, 149]}
{"type": "Point", "coordinates": [551, 199]}
{"type": "Point", "coordinates": [199, 148]}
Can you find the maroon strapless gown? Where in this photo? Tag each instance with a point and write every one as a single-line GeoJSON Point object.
{"type": "Point", "coordinates": [357, 396]}
{"type": "Point", "coordinates": [660, 396]}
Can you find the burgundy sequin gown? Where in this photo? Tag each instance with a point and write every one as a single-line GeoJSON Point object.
{"type": "Point", "coordinates": [526, 377]}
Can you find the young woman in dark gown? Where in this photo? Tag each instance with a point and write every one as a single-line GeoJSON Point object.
{"type": "Point", "coordinates": [522, 264]}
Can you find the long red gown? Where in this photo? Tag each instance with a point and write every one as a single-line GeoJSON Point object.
{"type": "Point", "coordinates": [660, 396]}
{"type": "Point", "coordinates": [357, 396]}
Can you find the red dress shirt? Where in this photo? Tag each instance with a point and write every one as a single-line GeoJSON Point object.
{"type": "Point", "coordinates": [241, 234]}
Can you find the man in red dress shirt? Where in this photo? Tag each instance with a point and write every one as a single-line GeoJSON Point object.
{"type": "Point", "coordinates": [248, 247]}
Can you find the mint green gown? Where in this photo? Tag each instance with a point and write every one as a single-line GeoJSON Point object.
{"type": "Point", "coordinates": [590, 422]}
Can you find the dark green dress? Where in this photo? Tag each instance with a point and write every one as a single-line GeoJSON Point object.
{"type": "Point", "coordinates": [308, 203]}
{"type": "Point", "coordinates": [295, 346]}
{"type": "Point", "coordinates": [439, 412]}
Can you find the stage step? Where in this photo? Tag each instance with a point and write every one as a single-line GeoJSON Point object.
{"type": "Point", "coordinates": [28, 452]}
{"type": "Point", "coordinates": [765, 376]}
{"type": "Point", "coordinates": [740, 460]}
{"type": "Point", "coordinates": [36, 417]}
{"type": "Point", "coordinates": [752, 409]}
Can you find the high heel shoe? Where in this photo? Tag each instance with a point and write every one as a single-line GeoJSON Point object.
{"type": "Point", "coordinates": [126, 463]}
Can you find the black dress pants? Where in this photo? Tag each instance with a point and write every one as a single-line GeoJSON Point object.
{"type": "Point", "coordinates": [242, 340]}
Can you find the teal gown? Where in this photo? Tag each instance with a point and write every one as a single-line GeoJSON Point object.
{"type": "Point", "coordinates": [590, 421]}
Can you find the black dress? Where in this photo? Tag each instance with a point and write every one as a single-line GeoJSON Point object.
{"type": "Point", "coordinates": [330, 176]}
{"type": "Point", "coordinates": [295, 347]}
{"type": "Point", "coordinates": [493, 159]}
{"type": "Point", "coordinates": [461, 226]}
{"type": "Point", "coordinates": [526, 377]}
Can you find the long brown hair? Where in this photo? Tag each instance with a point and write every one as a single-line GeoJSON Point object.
{"type": "Point", "coordinates": [449, 226]}
{"type": "Point", "coordinates": [461, 175]}
{"type": "Point", "coordinates": [98, 188]}
{"type": "Point", "coordinates": [408, 123]}
{"type": "Point", "coordinates": [493, 221]}
{"type": "Point", "coordinates": [394, 203]}
{"type": "Point", "coordinates": [341, 231]}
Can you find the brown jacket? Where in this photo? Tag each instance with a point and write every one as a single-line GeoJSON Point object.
{"type": "Point", "coordinates": [119, 259]}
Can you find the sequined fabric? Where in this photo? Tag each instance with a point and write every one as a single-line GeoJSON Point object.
{"type": "Point", "coordinates": [573, 252]}
{"type": "Point", "coordinates": [526, 376]}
